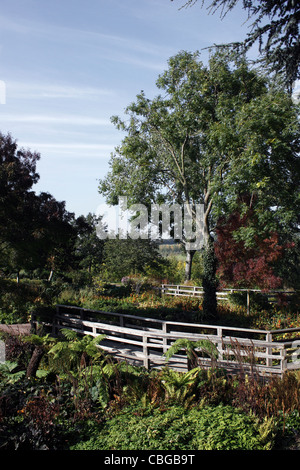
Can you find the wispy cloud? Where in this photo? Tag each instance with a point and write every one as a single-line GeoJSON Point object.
{"type": "Point", "coordinates": [118, 48]}
{"type": "Point", "coordinates": [55, 119]}
{"type": "Point", "coordinates": [18, 27]}
{"type": "Point", "coordinates": [45, 90]}
{"type": "Point", "coordinates": [69, 149]}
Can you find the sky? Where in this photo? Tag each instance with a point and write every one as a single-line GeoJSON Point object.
{"type": "Point", "coordinates": [67, 66]}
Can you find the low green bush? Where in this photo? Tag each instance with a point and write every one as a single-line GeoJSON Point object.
{"type": "Point", "coordinates": [175, 428]}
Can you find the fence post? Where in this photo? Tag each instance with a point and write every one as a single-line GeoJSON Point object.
{"type": "Point", "coordinates": [269, 361]}
{"type": "Point", "coordinates": [145, 351]}
{"type": "Point", "coordinates": [55, 322]}
{"type": "Point", "coordinates": [82, 317]}
{"type": "Point", "coordinates": [121, 324]}
{"type": "Point", "coordinates": [248, 302]}
{"type": "Point", "coordinates": [220, 344]}
{"type": "Point", "coordinates": [283, 360]}
{"type": "Point", "coordinates": [165, 339]}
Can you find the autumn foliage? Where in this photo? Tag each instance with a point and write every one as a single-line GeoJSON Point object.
{"type": "Point", "coordinates": [241, 266]}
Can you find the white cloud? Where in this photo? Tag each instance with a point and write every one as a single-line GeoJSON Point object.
{"type": "Point", "coordinates": [67, 146]}
{"type": "Point", "coordinates": [46, 90]}
{"type": "Point", "coordinates": [117, 48]}
{"type": "Point", "coordinates": [72, 149]}
{"type": "Point", "coordinates": [55, 119]}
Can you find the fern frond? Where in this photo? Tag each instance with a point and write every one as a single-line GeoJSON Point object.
{"type": "Point", "coordinates": [190, 346]}
{"type": "Point", "coordinates": [70, 335]}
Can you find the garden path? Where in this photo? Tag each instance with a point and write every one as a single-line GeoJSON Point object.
{"type": "Point", "coordinates": [16, 329]}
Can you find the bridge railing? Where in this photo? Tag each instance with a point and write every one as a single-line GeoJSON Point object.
{"type": "Point", "coordinates": [143, 341]}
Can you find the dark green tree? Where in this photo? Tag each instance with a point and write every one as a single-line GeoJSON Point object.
{"type": "Point", "coordinates": [88, 246]}
{"type": "Point", "coordinates": [17, 176]}
{"type": "Point", "coordinates": [123, 257]}
{"type": "Point", "coordinates": [35, 229]}
{"type": "Point", "coordinates": [275, 27]}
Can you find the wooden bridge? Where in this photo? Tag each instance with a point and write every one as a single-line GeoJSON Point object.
{"type": "Point", "coordinates": [143, 341]}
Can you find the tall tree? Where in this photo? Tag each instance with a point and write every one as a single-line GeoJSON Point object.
{"type": "Point", "coordinates": [34, 229]}
{"type": "Point", "coordinates": [17, 176]}
{"type": "Point", "coordinates": [42, 233]}
{"type": "Point", "coordinates": [88, 246]}
{"type": "Point", "coordinates": [125, 257]}
{"type": "Point", "coordinates": [275, 27]}
{"type": "Point", "coordinates": [215, 132]}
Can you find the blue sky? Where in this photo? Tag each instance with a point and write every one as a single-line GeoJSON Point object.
{"type": "Point", "coordinates": [69, 65]}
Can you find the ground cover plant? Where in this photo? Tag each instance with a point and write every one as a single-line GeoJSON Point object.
{"type": "Point", "coordinates": [199, 428]}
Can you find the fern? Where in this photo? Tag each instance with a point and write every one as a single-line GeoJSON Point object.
{"type": "Point", "coordinates": [71, 352]}
{"type": "Point", "coordinates": [70, 335]}
{"type": "Point", "coordinates": [179, 386]}
{"type": "Point", "coordinates": [9, 372]}
{"type": "Point", "coordinates": [190, 347]}
{"type": "Point", "coordinates": [267, 431]}
{"type": "Point", "coordinates": [43, 341]}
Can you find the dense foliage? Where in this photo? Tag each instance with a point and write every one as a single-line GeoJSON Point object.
{"type": "Point", "coordinates": [78, 398]}
{"type": "Point", "coordinates": [98, 404]}
{"type": "Point", "coordinates": [265, 262]}
{"type": "Point", "coordinates": [35, 229]}
{"type": "Point", "coordinates": [175, 428]}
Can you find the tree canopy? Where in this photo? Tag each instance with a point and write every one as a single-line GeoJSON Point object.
{"type": "Point", "coordinates": [239, 266]}
{"type": "Point", "coordinates": [124, 257]}
{"type": "Point", "coordinates": [275, 27]}
{"type": "Point", "coordinates": [35, 229]}
{"type": "Point", "coordinates": [215, 132]}
{"type": "Point", "coordinates": [88, 246]}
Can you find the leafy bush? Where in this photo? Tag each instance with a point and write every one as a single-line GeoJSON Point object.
{"type": "Point", "coordinates": [17, 350]}
{"type": "Point", "coordinates": [19, 300]}
{"type": "Point", "coordinates": [289, 423]}
{"type": "Point", "coordinates": [205, 428]}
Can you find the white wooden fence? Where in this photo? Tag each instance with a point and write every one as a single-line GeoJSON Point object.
{"type": "Point", "coordinates": [142, 341]}
{"type": "Point", "coordinates": [195, 291]}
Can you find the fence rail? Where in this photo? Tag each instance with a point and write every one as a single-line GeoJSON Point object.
{"type": "Point", "coordinates": [196, 291]}
{"type": "Point", "coordinates": [143, 341]}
